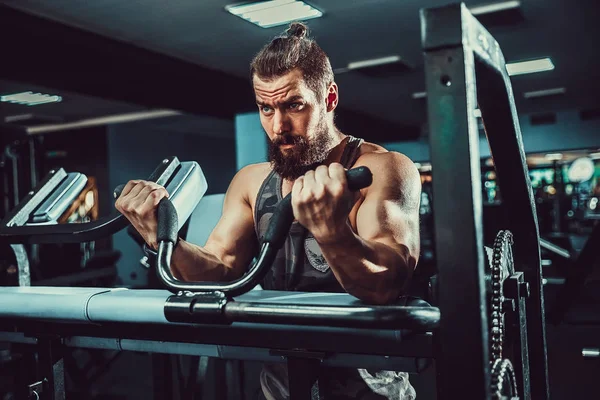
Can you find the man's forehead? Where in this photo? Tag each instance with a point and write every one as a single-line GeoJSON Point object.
{"type": "Point", "coordinates": [282, 93]}
{"type": "Point", "coordinates": [291, 84]}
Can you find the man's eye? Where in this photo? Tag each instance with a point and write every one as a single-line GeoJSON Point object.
{"type": "Point", "coordinates": [266, 109]}
{"type": "Point", "coordinates": [295, 106]}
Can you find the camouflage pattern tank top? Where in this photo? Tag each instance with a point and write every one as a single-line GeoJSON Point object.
{"type": "Point", "coordinates": [299, 264]}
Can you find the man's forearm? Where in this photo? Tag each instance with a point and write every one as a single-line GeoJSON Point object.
{"type": "Point", "coordinates": [193, 263]}
{"type": "Point", "coordinates": [368, 270]}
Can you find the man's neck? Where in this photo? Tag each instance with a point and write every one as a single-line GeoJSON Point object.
{"type": "Point", "coordinates": [338, 143]}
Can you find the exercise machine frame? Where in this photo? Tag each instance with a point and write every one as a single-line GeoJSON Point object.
{"type": "Point", "coordinates": [465, 70]}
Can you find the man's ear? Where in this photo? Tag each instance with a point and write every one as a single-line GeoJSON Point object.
{"type": "Point", "coordinates": [332, 97]}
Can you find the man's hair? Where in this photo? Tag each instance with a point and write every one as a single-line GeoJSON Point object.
{"type": "Point", "coordinates": [294, 50]}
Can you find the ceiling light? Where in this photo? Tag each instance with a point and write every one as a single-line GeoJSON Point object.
{"type": "Point", "coordinates": [30, 98]}
{"type": "Point", "coordinates": [528, 67]}
{"type": "Point", "coordinates": [419, 95]}
{"type": "Point", "coordinates": [494, 7]}
{"type": "Point", "coordinates": [544, 93]}
{"type": "Point", "coordinates": [373, 62]}
{"type": "Point", "coordinates": [16, 118]}
{"type": "Point", "coordinates": [554, 156]}
{"type": "Point", "coordinates": [595, 156]}
{"type": "Point", "coordinates": [267, 14]}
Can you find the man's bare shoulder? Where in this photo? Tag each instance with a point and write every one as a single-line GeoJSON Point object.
{"type": "Point", "coordinates": [390, 168]}
{"type": "Point", "coordinates": [252, 172]}
{"type": "Point", "coordinates": [248, 180]}
{"type": "Point", "coordinates": [375, 156]}
{"type": "Point", "coordinates": [368, 148]}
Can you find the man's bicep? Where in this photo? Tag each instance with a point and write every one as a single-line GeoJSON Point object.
{"type": "Point", "coordinates": [388, 222]}
{"type": "Point", "coordinates": [390, 211]}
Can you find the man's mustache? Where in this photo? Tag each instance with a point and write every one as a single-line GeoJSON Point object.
{"type": "Point", "coordinates": [288, 139]}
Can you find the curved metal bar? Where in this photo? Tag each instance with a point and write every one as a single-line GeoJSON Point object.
{"type": "Point", "coordinates": [233, 288]}
{"type": "Point", "coordinates": [275, 236]}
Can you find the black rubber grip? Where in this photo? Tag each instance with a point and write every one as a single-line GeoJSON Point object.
{"type": "Point", "coordinates": [168, 222]}
{"type": "Point", "coordinates": [283, 216]}
{"type": "Point", "coordinates": [118, 190]}
{"type": "Point", "coordinates": [359, 178]}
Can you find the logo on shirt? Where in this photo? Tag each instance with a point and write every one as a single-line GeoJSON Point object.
{"type": "Point", "coordinates": [314, 255]}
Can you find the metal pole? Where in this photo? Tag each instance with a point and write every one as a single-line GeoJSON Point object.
{"type": "Point", "coordinates": [457, 201]}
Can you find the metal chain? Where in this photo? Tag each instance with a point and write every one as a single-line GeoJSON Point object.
{"type": "Point", "coordinates": [503, 374]}
{"type": "Point", "coordinates": [501, 268]}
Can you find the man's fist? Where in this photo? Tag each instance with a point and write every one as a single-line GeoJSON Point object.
{"type": "Point", "coordinates": [322, 201]}
{"type": "Point", "coordinates": [138, 203]}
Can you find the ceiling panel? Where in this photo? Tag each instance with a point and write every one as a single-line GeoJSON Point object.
{"type": "Point", "coordinates": [202, 32]}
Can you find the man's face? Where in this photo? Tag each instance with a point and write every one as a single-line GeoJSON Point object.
{"type": "Point", "coordinates": [294, 119]}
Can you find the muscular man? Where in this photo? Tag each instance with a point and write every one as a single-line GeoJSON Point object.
{"type": "Point", "coordinates": [365, 243]}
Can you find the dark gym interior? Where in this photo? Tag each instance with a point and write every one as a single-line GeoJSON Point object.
{"type": "Point", "coordinates": [110, 89]}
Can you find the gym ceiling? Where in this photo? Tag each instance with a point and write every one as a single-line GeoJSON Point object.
{"type": "Point", "coordinates": [107, 57]}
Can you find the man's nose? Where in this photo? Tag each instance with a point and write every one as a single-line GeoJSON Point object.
{"type": "Point", "coordinates": [281, 123]}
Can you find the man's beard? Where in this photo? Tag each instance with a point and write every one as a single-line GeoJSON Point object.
{"type": "Point", "coordinates": [304, 156]}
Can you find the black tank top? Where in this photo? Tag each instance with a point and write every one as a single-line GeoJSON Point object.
{"type": "Point", "coordinates": [299, 264]}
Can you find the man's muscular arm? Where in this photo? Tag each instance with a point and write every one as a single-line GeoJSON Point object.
{"type": "Point", "coordinates": [231, 244]}
{"type": "Point", "coordinates": [374, 263]}
{"type": "Point", "coordinates": [228, 249]}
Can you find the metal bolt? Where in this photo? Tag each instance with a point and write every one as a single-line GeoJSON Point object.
{"type": "Point", "coordinates": [31, 193]}
{"type": "Point", "coordinates": [145, 262]}
{"type": "Point", "coordinates": [166, 160]}
{"type": "Point", "coordinates": [52, 171]}
{"type": "Point", "coordinates": [590, 353]}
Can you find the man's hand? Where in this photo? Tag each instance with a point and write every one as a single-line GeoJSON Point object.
{"type": "Point", "coordinates": [322, 201]}
{"type": "Point", "coordinates": [138, 203]}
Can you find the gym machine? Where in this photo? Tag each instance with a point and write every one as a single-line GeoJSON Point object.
{"type": "Point", "coordinates": [465, 70]}
{"type": "Point", "coordinates": [486, 331]}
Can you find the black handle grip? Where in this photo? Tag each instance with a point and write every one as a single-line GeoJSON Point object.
{"type": "Point", "coordinates": [168, 222]}
{"type": "Point", "coordinates": [118, 190]}
{"type": "Point", "coordinates": [283, 216]}
{"type": "Point", "coordinates": [359, 178]}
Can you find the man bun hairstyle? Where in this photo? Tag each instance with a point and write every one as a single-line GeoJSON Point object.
{"type": "Point", "coordinates": [294, 49]}
{"type": "Point", "coordinates": [297, 29]}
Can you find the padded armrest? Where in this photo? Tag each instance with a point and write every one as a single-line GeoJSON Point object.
{"type": "Point", "coordinates": [47, 303]}
{"type": "Point", "coordinates": [111, 313]}
{"type": "Point", "coordinates": [144, 306]}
